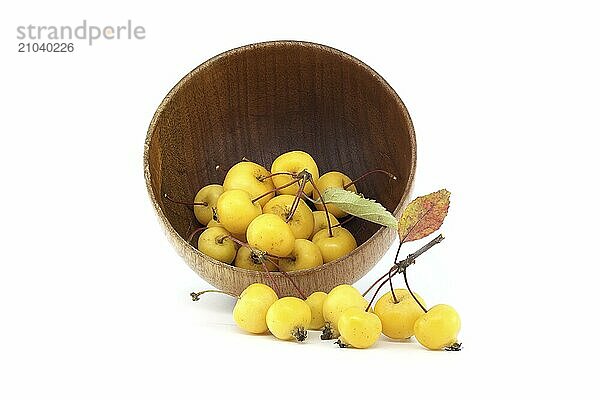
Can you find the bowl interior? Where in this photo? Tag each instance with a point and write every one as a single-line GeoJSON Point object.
{"type": "Point", "coordinates": [262, 100]}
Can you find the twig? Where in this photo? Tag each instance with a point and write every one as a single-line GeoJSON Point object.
{"type": "Point", "coordinates": [412, 257]}
{"type": "Point", "coordinates": [401, 266]}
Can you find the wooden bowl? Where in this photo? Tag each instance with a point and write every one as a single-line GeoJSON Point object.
{"type": "Point", "coordinates": [264, 99]}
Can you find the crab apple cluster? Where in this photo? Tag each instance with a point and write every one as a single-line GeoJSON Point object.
{"type": "Point", "coordinates": [403, 314]}
{"type": "Point", "coordinates": [344, 314]}
{"type": "Point", "coordinates": [258, 310]}
{"type": "Point", "coordinates": [278, 221]}
{"type": "Point", "coordinates": [273, 220]}
{"type": "Point", "coordinates": [299, 238]}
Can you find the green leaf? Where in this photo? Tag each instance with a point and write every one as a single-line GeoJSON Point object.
{"type": "Point", "coordinates": [360, 207]}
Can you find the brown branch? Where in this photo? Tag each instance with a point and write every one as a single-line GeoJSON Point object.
{"type": "Point", "coordinates": [399, 267]}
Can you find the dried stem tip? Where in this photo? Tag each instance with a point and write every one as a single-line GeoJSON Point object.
{"type": "Point", "coordinates": [327, 332]}
{"type": "Point", "coordinates": [196, 296]}
{"type": "Point", "coordinates": [454, 347]}
{"type": "Point", "coordinates": [300, 333]}
{"type": "Point", "coordinates": [304, 175]}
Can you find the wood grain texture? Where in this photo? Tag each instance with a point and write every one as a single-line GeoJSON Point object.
{"type": "Point", "coordinates": [264, 99]}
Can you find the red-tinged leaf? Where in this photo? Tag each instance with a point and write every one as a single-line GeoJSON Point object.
{"type": "Point", "coordinates": [423, 216]}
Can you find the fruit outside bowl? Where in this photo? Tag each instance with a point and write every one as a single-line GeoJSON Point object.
{"type": "Point", "coordinates": [259, 101]}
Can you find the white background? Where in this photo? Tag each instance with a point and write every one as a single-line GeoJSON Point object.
{"type": "Point", "coordinates": [504, 98]}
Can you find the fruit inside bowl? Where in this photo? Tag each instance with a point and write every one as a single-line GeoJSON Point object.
{"type": "Point", "coordinates": [262, 102]}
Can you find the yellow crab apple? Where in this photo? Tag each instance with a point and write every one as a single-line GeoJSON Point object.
{"type": "Point", "coordinates": [321, 221]}
{"type": "Point", "coordinates": [247, 259]}
{"type": "Point", "coordinates": [333, 179]}
{"type": "Point", "coordinates": [293, 162]}
{"type": "Point", "coordinates": [215, 243]}
{"type": "Point", "coordinates": [236, 210]}
{"type": "Point", "coordinates": [305, 255]}
{"type": "Point", "coordinates": [398, 318]}
{"type": "Point", "coordinates": [302, 221]}
{"type": "Point", "coordinates": [209, 194]}
{"type": "Point", "coordinates": [251, 177]}
{"type": "Point", "coordinates": [333, 247]}
{"type": "Point", "coordinates": [269, 233]}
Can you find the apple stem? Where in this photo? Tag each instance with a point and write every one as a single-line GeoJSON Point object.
{"type": "Point", "coordinates": [202, 203]}
{"type": "Point", "coordinates": [261, 255]}
{"type": "Point", "coordinates": [392, 286]}
{"type": "Point", "coordinates": [296, 201]}
{"type": "Point", "coordinates": [281, 258]}
{"type": "Point", "coordinates": [235, 241]}
{"type": "Point", "coordinates": [316, 189]}
{"type": "Point", "coordinates": [374, 283]}
{"type": "Point", "coordinates": [289, 278]}
{"type": "Point", "coordinates": [307, 198]}
{"type": "Point", "coordinates": [275, 285]}
{"type": "Point", "coordinates": [411, 292]}
{"type": "Point", "coordinates": [264, 178]}
{"type": "Point", "coordinates": [398, 252]}
{"type": "Point", "coordinates": [391, 271]}
{"type": "Point", "coordinates": [344, 221]}
{"type": "Point", "coordinates": [276, 189]}
{"type": "Point", "coordinates": [196, 295]}
{"type": "Point", "coordinates": [194, 233]}
{"type": "Point", "coordinates": [373, 171]}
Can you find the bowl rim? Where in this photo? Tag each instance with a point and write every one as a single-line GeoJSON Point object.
{"type": "Point", "coordinates": [275, 43]}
